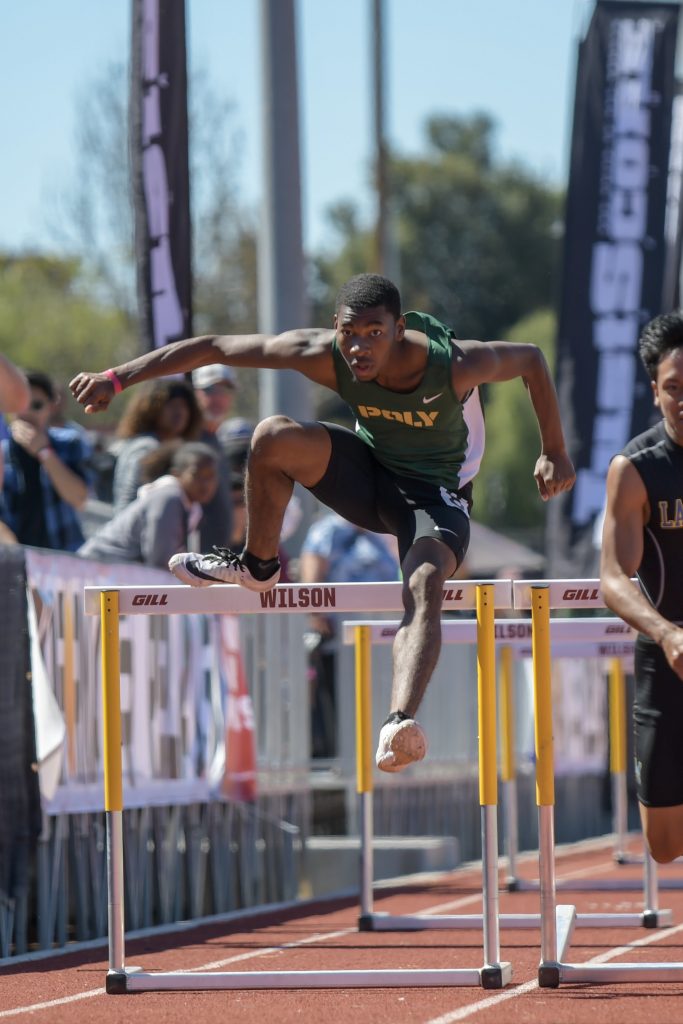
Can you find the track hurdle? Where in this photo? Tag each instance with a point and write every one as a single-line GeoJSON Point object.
{"type": "Point", "coordinates": [110, 604]}
{"type": "Point", "coordinates": [557, 922]}
{"type": "Point", "coordinates": [565, 594]}
{"type": "Point", "coordinates": [585, 636]}
{"type": "Point", "coordinates": [605, 638]}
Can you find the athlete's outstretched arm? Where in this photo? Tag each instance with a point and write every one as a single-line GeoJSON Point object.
{"type": "Point", "coordinates": [306, 350]}
{"type": "Point", "coordinates": [622, 551]}
{"type": "Point", "coordinates": [477, 362]}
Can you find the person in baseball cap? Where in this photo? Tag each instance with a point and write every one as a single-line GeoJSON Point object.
{"type": "Point", "coordinates": [214, 386]}
{"type": "Point", "coordinates": [215, 373]}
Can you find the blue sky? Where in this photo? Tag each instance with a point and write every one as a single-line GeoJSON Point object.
{"type": "Point", "coordinates": [514, 59]}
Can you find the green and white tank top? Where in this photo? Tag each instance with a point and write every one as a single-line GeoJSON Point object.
{"type": "Point", "coordinates": [427, 433]}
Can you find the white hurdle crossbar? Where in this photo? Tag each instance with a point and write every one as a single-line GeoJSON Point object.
{"type": "Point", "coordinates": [557, 922]}
{"type": "Point", "coordinates": [582, 637]}
{"type": "Point", "coordinates": [110, 604]}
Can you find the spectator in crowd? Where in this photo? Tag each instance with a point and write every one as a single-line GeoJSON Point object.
{"type": "Point", "coordinates": [214, 388]}
{"type": "Point", "coordinates": [165, 410]}
{"type": "Point", "coordinates": [182, 478]}
{"type": "Point", "coordinates": [336, 551]}
{"type": "Point", "coordinates": [15, 393]}
{"type": "Point", "coordinates": [45, 478]}
{"type": "Point", "coordinates": [235, 437]}
{"type": "Point", "coordinates": [239, 510]}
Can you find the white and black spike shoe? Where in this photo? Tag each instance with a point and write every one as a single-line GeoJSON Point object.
{"type": "Point", "coordinates": [221, 566]}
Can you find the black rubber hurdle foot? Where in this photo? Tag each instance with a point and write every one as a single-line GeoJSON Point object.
{"type": "Point", "coordinates": [491, 977]}
{"type": "Point", "coordinates": [116, 983]}
{"type": "Point", "coordinates": [549, 976]}
{"type": "Point", "coordinates": [365, 923]}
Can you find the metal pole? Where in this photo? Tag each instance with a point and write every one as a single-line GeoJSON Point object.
{"type": "Point", "coordinates": [113, 783]}
{"type": "Point", "coordinates": [282, 304]}
{"type": "Point", "coordinates": [545, 780]}
{"type": "Point", "coordinates": [651, 888]}
{"type": "Point", "coordinates": [364, 764]}
{"type": "Point", "coordinates": [508, 761]}
{"type": "Point", "coordinates": [617, 754]}
{"type": "Point", "coordinates": [382, 254]}
{"type": "Point", "coordinates": [488, 778]}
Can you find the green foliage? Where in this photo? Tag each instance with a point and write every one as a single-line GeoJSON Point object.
{"type": "Point", "coordinates": [477, 241]}
{"type": "Point", "coordinates": [505, 494]}
{"type": "Point", "coordinates": [94, 219]}
{"type": "Point", "coordinates": [48, 321]}
{"type": "Point", "coordinates": [478, 245]}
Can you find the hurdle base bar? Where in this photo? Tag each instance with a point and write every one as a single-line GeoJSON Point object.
{"type": "Point", "coordinates": [384, 922]}
{"type": "Point", "coordinates": [609, 974]}
{"type": "Point", "coordinates": [490, 976]}
{"type": "Point", "coordinates": [552, 973]}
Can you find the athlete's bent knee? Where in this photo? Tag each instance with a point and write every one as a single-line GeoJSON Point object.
{"type": "Point", "coordinates": [270, 434]}
{"type": "Point", "coordinates": [271, 428]}
{"type": "Point", "coordinates": [664, 848]}
{"type": "Point", "coordinates": [424, 585]}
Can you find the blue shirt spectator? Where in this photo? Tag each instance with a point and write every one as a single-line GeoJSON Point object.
{"type": "Point", "coordinates": [349, 553]}
{"type": "Point", "coordinates": [45, 476]}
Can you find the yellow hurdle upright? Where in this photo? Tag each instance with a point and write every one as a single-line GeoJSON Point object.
{"type": "Point", "coordinates": [545, 771]}
{"type": "Point", "coordinates": [508, 762]}
{"type": "Point", "coordinates": [488, 776]}
{"type": "Point", "coordinates": [363, 661]}
{"type": "Point", "coordinates": [113, 782]}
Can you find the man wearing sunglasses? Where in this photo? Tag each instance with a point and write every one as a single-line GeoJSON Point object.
{"type": "Point", "coordinates": [45, 480]}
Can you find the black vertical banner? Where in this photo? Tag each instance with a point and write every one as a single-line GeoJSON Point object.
{"type": "Point", "coordinates": [160, 170]}
{"type": "Point", "coordinates": [622, 238]}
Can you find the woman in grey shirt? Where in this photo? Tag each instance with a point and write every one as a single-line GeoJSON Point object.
{"type": "Point", "coordinates": [159, 523]}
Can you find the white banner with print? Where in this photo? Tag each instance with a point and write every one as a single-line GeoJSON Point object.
{"type": "Point", "coordinates": [178, 679]}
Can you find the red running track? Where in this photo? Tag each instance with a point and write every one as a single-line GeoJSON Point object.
{"type": "Point", "coordinates": [69, 988]}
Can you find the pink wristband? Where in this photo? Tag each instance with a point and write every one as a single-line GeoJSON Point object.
{"type": "Point", "coordinates": [115, 381]}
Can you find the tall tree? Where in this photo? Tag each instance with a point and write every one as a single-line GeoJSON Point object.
{"type": "Point", "coordinates": [505, 494]}
{"type": "Point", "coordinates": [477, 239]}
{"type": "Point", "coordinates": [50, 321]}
{"type": "Point", "coordinates": [93, 218]}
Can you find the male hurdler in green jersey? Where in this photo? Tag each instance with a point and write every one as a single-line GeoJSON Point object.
{"type": "Point", "coordinates": [407, 469]}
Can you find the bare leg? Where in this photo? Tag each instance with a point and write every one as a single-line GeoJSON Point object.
{"type": "Point", "coordinates": [417, 644]}
{"type": "Point", "coordinates": [663, 830]}
{"type": "Point", "coordinates": [282, 452]}
{"type": "Point", "coordinates": [416, 651]}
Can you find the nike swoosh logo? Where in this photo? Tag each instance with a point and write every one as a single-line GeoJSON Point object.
{"type": "Point", "coordinates": [432, 398]}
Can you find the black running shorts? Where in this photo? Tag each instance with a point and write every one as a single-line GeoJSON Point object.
{"type": "Point", "coordinates": [657, 717]}
{"type": "Point", "coordinates": [361, 490]}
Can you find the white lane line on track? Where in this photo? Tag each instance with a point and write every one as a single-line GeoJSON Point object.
{"type": "Point", "coordinates": [217, 964]}
{"type": "Point", "coordinates": [438, 908]}
{"type": "Point", "coordinates": [52, 1003]}
{"type": "Point", "coordinates": [214, 966]}
{"type": "Point", "coordinates": [466, 1012]}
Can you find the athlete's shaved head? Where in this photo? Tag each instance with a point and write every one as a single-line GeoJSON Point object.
{"type": "Point", "coordinates": [365, 291]}
{"type": "Point", "coordinates": [661, 336]}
